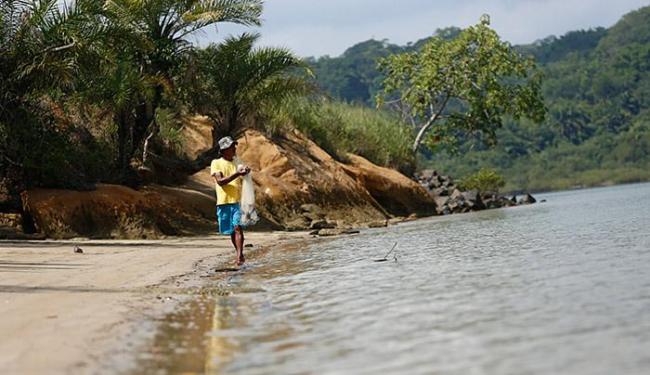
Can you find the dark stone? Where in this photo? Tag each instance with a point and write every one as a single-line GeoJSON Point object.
{"type": "Point", "coordinates": [440, 192]}
{"type": "Point", "coordinates": [322, 224]}
{"type": "Point", "coordinates": [527, 199]}
{"type": "Point", "coordinates": [473, 200]}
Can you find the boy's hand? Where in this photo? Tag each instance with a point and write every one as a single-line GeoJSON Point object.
{"type": "Point", "coordinates": [243, 170]}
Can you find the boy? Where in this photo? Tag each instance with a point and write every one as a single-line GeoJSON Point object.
{"type": "Point", "coordinates": [227, 175]}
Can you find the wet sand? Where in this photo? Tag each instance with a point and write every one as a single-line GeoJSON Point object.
{"type": "Point", "coordinates": [67, 312]}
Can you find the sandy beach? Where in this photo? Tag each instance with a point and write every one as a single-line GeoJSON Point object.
{"type": "Point", "coordinates": [68, 312]}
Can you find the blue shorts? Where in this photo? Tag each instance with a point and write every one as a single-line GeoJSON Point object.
{"type": "Point", "coordinates": [229, 216]}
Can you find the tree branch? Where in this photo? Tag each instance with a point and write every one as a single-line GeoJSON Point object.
{"type": "Point", "coordinates": [60, 48]}
{"type": "Point", "coordinates": [429, 122]}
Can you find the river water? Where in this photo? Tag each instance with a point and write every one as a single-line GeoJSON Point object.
{"type": "Point", "coordinates": [560, 287]}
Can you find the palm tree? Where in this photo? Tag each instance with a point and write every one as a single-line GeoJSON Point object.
{"type": "Point", "coordinates": [157, 32]}
{"type": "Point", "coordinates": [236, 82]}
{"type": "Point", "coordinates": [41, 43]}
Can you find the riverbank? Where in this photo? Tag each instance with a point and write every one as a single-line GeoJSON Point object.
{"type": "Point", "coordinates": [85, 312]}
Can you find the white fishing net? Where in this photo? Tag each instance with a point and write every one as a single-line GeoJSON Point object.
{"type": "Point", "coordinates": [249, 214]}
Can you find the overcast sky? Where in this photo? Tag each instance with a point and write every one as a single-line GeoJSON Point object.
{"type": "Point", "coordinates": [329, 27]}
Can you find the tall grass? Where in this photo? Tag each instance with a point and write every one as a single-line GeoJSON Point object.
{"type": "Point", "coordinates": [341, 128]}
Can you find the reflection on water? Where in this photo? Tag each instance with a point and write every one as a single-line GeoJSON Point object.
{"type": "Point", "coordinates": [557, 287]}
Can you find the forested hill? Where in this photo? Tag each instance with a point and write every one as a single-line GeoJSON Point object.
{"type": "Point", "coordinates": [597, 90]}
{"type": "Point", "coordinates": [353, 76]}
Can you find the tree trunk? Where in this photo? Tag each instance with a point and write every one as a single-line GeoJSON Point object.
{"type": "Point", "coordinates": [434, 116]}
{"type": "Point", "coordinates": [123, 141]}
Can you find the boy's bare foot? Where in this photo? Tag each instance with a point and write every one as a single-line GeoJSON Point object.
{"type": "Point", "coordinates": [240, 260]}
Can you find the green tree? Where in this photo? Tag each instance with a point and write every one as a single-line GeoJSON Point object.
{"type": "Point", "coordinates": [152, 37]}
{"type": "Point", "coordinates": [236, 82]}
{"type": "Point", "coordinates": [41, 45]}
{"type": "Point", "coordinates": [467, 84]}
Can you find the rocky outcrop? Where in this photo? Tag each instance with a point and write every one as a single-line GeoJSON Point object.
{"type": "Point", "coordinates": [396, 193]}
{"type": "Point", "coordinates": [300, 186]}
{"type": "Point", "coordinates": [450, 199]}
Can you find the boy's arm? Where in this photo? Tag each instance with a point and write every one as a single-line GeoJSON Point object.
{"type": "Point", "coordinates": [221, 180]}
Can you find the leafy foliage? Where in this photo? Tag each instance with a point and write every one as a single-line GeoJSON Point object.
{"type": "Point", "coordinates": [467, 84]}
{"type": "Point", "coordinates": [341, 128]}
{"type": "Point", "coordinates": [41, 45]}
{"type": "Point", "coordinates": [483, 180]}
{"type": "Point", "coordinates": [235, 82]}
{"type": "Point", "coordinates": [597, 90]}
{"type": "Point", "coordinates": [67, 66]}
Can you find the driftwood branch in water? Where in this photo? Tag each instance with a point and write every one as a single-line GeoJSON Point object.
{"type": "Point", "coordinates": [385, 258]}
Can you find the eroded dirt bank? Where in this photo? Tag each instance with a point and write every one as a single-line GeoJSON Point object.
{"type": "Point", "coordinates": [298, 186]}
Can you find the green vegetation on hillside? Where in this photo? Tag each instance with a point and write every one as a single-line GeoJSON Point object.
{"type": "Point", "coordinates": [341, 128]}
{"type": "Point", "coordinates": [597, 90]}
{"type": "Point", "coordinates": [96, 91]}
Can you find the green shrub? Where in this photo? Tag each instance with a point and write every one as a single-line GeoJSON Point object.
{"type": "Point", "coordinates": [483, 180]}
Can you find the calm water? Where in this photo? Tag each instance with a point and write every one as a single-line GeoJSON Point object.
{"type": "Point", "coordinates": [561, 287]}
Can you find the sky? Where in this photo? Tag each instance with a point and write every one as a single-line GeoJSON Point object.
{"type": "Point", "coordinates": [329, 27]}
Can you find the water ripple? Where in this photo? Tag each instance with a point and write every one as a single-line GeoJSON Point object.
{"type": "Point", "coordinates": [558, 287]}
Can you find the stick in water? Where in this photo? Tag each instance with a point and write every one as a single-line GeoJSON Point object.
{"type": "Point", "coordinates": [385, 258]}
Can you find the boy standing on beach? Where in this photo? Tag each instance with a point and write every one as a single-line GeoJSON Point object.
{"type": "Point", "coordinates": [227, 175]}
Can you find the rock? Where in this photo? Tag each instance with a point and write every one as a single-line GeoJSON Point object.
{"type": "Point", "coordinates": [299, 223]}
{"type": "Point", "coordinates": [457, 195]}
{"type": "Point", "coordinates": [396, 220]}
{"type": "Point", "coordinates": [426, 175]}
{"type": "Point", "coordinates": [505, 202]}
{"type": "Point", "coordinates": [78, 250]}
{"type": "Point", "coordinates": [322, 224]}
{"type": "Point", "coordinates": [527, 199]}
{"type": "Point", "coordinates": [328, 232]}
{"type": "Point", "coordinates": [471, 196]}
{"type": "Point", "coordinates": [313, 216]}
{"type": "Point", "coordinates": [440, 192]}
{"type": "Point", "coordinates": [310, 207]}
{"type": "Point", "coordinates": [473, 200]}
{"type": "Point", "coordinates": [441, 201]}
{"type": "Point", "coordinates": [378, 224]}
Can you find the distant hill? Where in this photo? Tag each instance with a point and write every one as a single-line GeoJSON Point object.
{"type": "Point", "coordinates": [353, 77]}
{"type": "Point", "coordinates": [597, 89]}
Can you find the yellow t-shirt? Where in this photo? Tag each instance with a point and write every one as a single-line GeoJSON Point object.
{"type": "Point", "coordinates": [230, 193]}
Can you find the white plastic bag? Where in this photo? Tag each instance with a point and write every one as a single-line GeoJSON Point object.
{"type": "Point", "coordinates": [249, 215]}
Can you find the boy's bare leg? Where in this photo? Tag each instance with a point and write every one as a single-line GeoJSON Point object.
{"type": "Point", "coordinates": [238, 241]}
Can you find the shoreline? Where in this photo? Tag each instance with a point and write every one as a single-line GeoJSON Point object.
{"type": "Point", "coordinates": [67, 312]}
